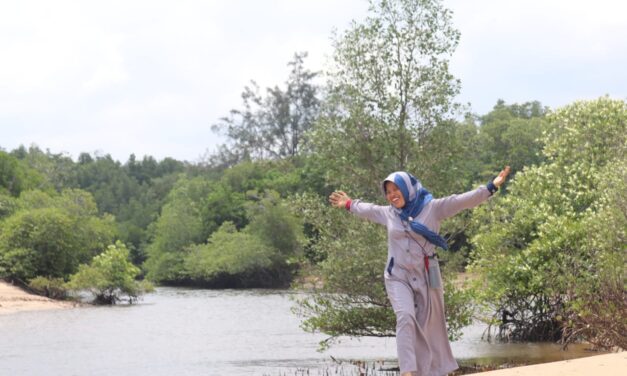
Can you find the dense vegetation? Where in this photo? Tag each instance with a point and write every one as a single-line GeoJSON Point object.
{"type": "Point", "coordinates": [548, 252]}
{"type": "Point", "coordinates": [551, 254]}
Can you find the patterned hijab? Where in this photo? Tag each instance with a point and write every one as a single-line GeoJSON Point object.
{"type": "Point", "coordinates": [416, 198]}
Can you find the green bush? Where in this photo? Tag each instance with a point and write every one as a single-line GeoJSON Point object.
{"type": "Point", "coordinates": [53, 288]}
{"type": "Point", "coordinates": [50, 235]}
{"type": "Point", "coordinates": [8, 205]}
{"type": "Point", "coordinates": [234, 258]}
{"type": "Point", "coordinates": [110, 276]}
{"type": "Point", "coordinates": [274, 224]}
{"type": "Point", "coordinates": [542, 251]}
{"type": "Point", "coordinates": [40, 242]}
{"type": "Point", "coordinates": [179, 225]}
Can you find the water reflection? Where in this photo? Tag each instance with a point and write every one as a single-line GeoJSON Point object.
{"type": "Point", "coordinates": [209, 332]}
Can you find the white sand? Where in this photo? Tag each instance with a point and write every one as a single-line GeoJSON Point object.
{"type": "Point", "coordinates": [597, 365]}
{"type": "Point", "coordinates": [13, 299]}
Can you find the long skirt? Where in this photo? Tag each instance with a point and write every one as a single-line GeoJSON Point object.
{"type": "Point", "coordinates": [421, 336]}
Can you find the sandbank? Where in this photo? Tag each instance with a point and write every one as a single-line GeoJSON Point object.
{"type": "Point", "coordinates": [601, 365]}
{"type": "Point", "coordinates": [13, 299]}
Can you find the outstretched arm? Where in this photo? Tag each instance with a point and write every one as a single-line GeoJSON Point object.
{"type": "Point", "coordinates": [374, 213]}
{"type": "Point", "coordinates": [449, 206]}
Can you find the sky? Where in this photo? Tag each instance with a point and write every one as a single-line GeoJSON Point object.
{"type": "Point", "coordinates": [150, 77]}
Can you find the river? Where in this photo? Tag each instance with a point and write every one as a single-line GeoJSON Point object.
{"type": "Point", "coordinates": [178, 331]}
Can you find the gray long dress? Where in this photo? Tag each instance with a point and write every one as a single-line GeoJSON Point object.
{"type": "Point", "coordinates": [421, 335]}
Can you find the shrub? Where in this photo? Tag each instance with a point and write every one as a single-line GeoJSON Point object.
{"type": "Point", "coordinates": [53, 288]}
{"type": "Point", "coordinates": [551, 255]}
{"type": "Point", "coordinates": [110, 276]}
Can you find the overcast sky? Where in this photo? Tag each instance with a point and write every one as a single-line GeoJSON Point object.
{"type": "Point", "coordinates": [150, 77]}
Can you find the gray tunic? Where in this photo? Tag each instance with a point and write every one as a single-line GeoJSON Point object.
{"type": "Point", "coordinates": [421, 335]}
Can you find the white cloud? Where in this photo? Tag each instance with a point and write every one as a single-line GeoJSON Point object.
{"type": "Point", "coordinates": [108, 68]}
{"type": "Point", "coordinates": [150, 77]}
{"type": "Point", "coordinates": [554, 51]}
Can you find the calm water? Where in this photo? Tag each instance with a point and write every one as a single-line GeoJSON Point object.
{"type": "Point", "coordinates": [179, 331]}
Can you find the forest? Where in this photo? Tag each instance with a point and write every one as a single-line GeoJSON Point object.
{"type": "Point", "coordinates": [544, 259]}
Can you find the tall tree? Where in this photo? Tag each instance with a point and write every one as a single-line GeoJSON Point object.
{"type": "Point", "coordinates": [179, 225]}
{"type": "Point", "coordinates": [271, 126]}
{"type": "Point", "coordinates": [389, 87]}
{"type": "Point", "coordinates": [56, 169]}
{"type": "Point", "coordinates": [16, 177]}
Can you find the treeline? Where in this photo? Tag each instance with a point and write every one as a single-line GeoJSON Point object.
{"type": "Point", "coordinates": [183, 223]}
{"type": "Point", "coordinates": [205, 224]}
{"type": "Point", "coordinates": [547, 252]}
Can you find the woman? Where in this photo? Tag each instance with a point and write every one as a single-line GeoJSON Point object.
{"type": "Point", "coordinates": [412, 275]}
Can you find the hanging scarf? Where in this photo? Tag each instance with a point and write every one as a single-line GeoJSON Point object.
{"type": "Point", "coordinates": [416, 198]}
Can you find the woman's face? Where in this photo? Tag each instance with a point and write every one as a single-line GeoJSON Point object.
{"type": "Point", "coordinates": [394, 195]}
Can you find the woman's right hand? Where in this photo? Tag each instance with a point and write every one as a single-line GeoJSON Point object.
{"type": "Point", "coordinates": [338, 199]}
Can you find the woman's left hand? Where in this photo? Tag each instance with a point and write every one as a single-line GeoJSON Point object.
{"type": "Point", "coordinates": [502, 177]}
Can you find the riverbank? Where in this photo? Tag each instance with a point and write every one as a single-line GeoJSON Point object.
{"type": "Point", "coordinates": [13, 299]}
{"type": "Point", "coordinates": [606, 365]}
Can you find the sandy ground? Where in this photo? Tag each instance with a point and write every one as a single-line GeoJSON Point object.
{"type": "Point", "coordinates": [13, 299]}
{"type": "Point", "coordinates": [598, 365]}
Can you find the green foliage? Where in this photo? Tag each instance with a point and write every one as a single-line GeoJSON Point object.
{"type": "Point", "coordinates": [8, 205]}
{"type": "Point", "coordinates": [110, 276]}
{"type": "Point", "coordinates": [389, 87]}
{"type": "Point", "coordinates": [134, 192]}
{"type": "Point", "coordinates": [159, 211]}
{"type": "Point", "coordinates": [142, 209]}
{"type": "Point", "coordinates": [52, 171]}
{"type": "Point", "coordinates": [148, 168]}
{"type": "Point", "coordinates": [271, 126]}
{"type": "Point", "coordinates": [224, 204]}
{"type": "Point", "coordinates": [10, 179]}
{"type": "Point", "coordinates": [51, 235]}
{"type": "Point", "coordinates": [542, 251]}
{"type": "Point", "coordinates": [231, 259]}
{"type": "Point", "coordinates": [511, 135]}
{"type": "Point", "coordinates": [462, 156]}
{"type": "Point", "coordinates": [179, 226]}
{"type": "Point", "coordinates": [388, 109]}
{"type": "Point", "coordinates": [459, 307]}
{"type": "Point", "coordinates": [243, 197]}
{"type": "Point", "coordinates": [260, 255]}
{"type": "Point", "coordinates": [41, 242]}
{"type": "Point", "coordinates": [593, 267]}
{"type": "Point", "coordinates": [272, 222]}
{"type": "Point", "coordinates": [15, 176]}
{"type": "Point", "coordinates": [53, 288]}
{"type": "Point", "coordinates": [448, 158]}
{"type": "Point", "coordinates": [352, 300]}
{"type": "Point", "coordinates": [110, 185]}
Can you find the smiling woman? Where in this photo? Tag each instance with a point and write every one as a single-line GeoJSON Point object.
{"type": "Point", "coordinates": [394, 195]}
{"type": "Point", "coordinates": [412, 275]}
